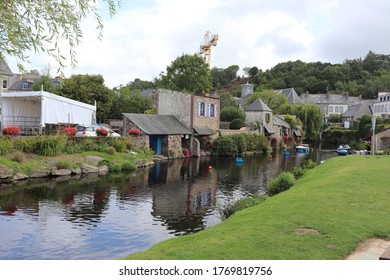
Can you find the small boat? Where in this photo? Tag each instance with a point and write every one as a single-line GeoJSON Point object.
{"type": "Point", "coordinates": [302, 149]}
{"type": "Point", "coordinates": [343, 150]}
{"type": "Point", "coordinates": [239, 160]}
{"type": "Point", "coordinates": [286, 153]}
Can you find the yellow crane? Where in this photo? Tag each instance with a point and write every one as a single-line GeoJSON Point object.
{"type": "Point", "coordinates": [205, 48]}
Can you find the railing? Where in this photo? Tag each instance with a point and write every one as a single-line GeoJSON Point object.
{"type": "Point", "coordinates": [27, 125]}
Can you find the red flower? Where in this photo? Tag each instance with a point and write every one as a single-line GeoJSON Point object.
{"type": "Point", "coordinates": [70, 131]}
{"type": "Point", "coordinates": [135, 132]}
{"type": "Point", "coordinates": [102, 131]}
{"type": "Point", "coordinates": [11, 130]}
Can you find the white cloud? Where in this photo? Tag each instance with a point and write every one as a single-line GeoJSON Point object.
{"type": "Point", "coordinates": [142, 40]}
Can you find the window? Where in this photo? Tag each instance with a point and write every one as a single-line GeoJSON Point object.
{"type": "Point", "coordinates": [336, 109]}
{"type": "Point", "coordinates": [212, 111]}
{"type": "Point", "coordinates": [25, 85]}
{"type": "Point", "coordinates": [330, 109]}
{"type": "Point", "coordinates": [5, 84]}
{"type": "Point", "coordinates": [267, 118]}
{"type": "Point", "coordinates": [202, 109]}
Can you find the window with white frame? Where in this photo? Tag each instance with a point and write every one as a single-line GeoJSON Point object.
{"type": "Point", "coordinates": [330, 109]}
{"type": "Point", "coordinates": [336, 109]}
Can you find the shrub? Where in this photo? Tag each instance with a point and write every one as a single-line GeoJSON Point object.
{"type": "Point", "coordinates": [224, 146]}
{"type": "Point", "coordinates": [243, 203]}
{"type": "Point", "coordinates": [115, 167]}
{"type": "Point", "coordinates": [111, 150]}
{"type": "Point", "coordinates": [240, 140]}
{"type": "Point", "coordinates": [50, 145]}
{"type": "Point", "coordinates": [282, 182]}
{"type": "Point", "coordinates": [230, 113]}
{"type": "Point", "coordinates": [101, 131]}
{"type": "Point", "coordinates": [18, 157]}
{"type": "Point", "coordinates": [236, 124]}
{"type": "Point", "coordinates": [5, 146]}
{"type": "Point", "coordinates": [309, 164]}
{"type": "Point", "coordinates": [11, 130]}
{"type": "Point", "coordinates": [63, 164]}
{"type": "Point", "coordinates": [134, 132]}
{"type": "Point", "coordinates": [298, 172]}
{"type": "Point", "coordinates": [128, 166]}
{"type": "Point", "coordinates": [70, 131]}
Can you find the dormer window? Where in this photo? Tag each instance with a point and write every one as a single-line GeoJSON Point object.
{"type": "Point", "coordinates": [5, 84]}
{"type": "Point", "coordinates": [25, 85]}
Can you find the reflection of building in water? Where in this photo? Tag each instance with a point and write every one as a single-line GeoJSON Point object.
{"type": "Point", "coordinates": [180, 199]}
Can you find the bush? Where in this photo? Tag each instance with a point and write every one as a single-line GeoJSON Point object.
{"type": "Point", "coordinates": [298, 172]}
{"type": "Point", "coordinates": [309, 164]}
{"type": "Point", "coordinates": [50, 145]}
{"type": "Point", "coordinates": [240, 141]}
{"type": "Point", "coordinates": [111, 150]}
{"type": "Point", "coordinates": [236, 124]}
{"type": "Point", "coordinates": [243, 203]}
{"type": "Point", "coordinates": [128, 166]}
{"type": "Point", "coordinates": [282, 182]}
{"type": "Point", "coordinates": [70, 131]}
{"type": "Point", "coordinates": [230, 113]}
{"type": "Point", "coordinates": [63, 164]}
{"type": "Point", "coordinates": [18, 157]}
{"type": "Point", "coordinates": [6, 146]}
{"type": "Point", "coordinates": [224, 146]}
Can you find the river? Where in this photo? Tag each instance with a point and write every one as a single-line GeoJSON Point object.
{"type": "Point", "coordinates": [112, 216]}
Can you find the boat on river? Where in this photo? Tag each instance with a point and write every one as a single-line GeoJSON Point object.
{"type": "Point", "coordinates": [302, 149]}
{"type": "Point", "coordinates": [343, 150]}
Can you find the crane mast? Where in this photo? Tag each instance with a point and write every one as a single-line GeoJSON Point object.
{"type": "Point", "coordinates": [205, 48]}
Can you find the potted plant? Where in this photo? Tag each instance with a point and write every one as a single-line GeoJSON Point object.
{"type": "Point", "coordinates": [70, 131]}
{"type": "Point", "coordinates": [134, 132]}
{"type": "Point", "coordinates": [101, 131]}
{"type": "Point", "coordinates": [11, 130]}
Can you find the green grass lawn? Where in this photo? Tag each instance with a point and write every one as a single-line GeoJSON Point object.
{"type": "Point", "coordinates": [346, 199]}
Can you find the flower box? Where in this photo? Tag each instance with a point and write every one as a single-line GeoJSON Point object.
{"type": "Point", "coordinates": [70, 131]}
{"type": "Point", "coordinates": [134, 132]}
{"type": "Point", "coordinates": [11, 130]}
{"type": "Point", "coordinates": [101, 132]}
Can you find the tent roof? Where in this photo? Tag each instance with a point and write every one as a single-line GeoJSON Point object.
{"type": "Point", "coordinates": [34, 97]}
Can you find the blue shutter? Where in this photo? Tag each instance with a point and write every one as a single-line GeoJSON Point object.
{"type": "Point", "coordinates": [215, 111]}
{"type": "Point", "coordinates": [209, 110]}
{"type": "Point", "coordinates": [199, 109]}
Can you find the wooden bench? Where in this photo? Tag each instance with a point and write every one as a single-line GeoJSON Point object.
{"type": "Point", "coordinates": [385, 255]}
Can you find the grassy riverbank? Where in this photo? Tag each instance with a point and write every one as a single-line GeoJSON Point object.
{"type": "Point", "coordinates": [325, 215]}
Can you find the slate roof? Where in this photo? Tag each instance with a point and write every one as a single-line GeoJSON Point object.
{"type": "Point", "coordinates": [325, 98]}
{"type": "Point", "coordinates": [279, 120]}
{"type": "Point", "coordinates": [358, 110]}
{"type": "Point", "coordinates": [19, 86]}
{"type": "Point", "coordinates": [204, 131]}
{"type": "Point", "coordinates": [4, 68]}
{"type": "Point", "coordinates": [258, 106]}
{"type": "Point", "coordinates": [291, 95]}
{"type": "Point", "coordinates": [158, 124]}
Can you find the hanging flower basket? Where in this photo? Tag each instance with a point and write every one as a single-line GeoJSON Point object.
{"type": "Point", "coordinates": [70, 131]}
{"type": "Point", "coordinates": [101, 132]}
{"type": "Point", "coordinates": [11, 130]}
{"type": "Point", "coordinates": [134, 132]}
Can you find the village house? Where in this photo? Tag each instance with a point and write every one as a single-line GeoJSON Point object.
{"type": "Point", "coordinates": [6, 76]}
{"type": "Point", "coordinates": [381, 107]}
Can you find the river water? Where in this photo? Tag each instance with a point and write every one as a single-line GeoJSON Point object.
{"type": "Point", "coordinates": [112, 216]}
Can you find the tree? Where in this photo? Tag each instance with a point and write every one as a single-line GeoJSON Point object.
{"type": "Point", "coordinates": [44, 25]}
{"type": "Point", "coordinates": [128, 101]}
{"type": "Point", "coordinates": [273, 99]}
{"type": "Point", "coordinates": [231, 113]}
{"type": "Point", "coordinates": [88, 89]}
{"type": "Point", "coordinates": [188, 73]}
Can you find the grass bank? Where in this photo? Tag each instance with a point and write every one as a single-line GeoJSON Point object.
{"type": "Point", "coordinates": [342, 202]}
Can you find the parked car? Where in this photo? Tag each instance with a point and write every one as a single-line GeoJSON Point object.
{"type": "Point", "coordinates": [90, 131]}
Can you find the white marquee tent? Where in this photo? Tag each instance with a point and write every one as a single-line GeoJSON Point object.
{"type": "Point", "coordinates": [35, 109]}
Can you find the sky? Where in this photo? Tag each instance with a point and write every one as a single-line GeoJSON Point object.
{"type": "Point", "coordinates": [145, 37]}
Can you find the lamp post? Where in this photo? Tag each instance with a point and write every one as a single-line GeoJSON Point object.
{"type": "Point", "coordinates": [373, 122]}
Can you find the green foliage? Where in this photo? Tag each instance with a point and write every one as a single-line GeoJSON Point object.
{"type": "Point", "coordinates": [88, 89]}
{"type": "Point", "coordinates": [224, 146]}
{"type": "Point", "coordinates": [63, 164]}
{"type": "Point", "coordinates": [309, 164]}
{"type": "Point", "coordinates": [298, 172]}
{"type": "Point", "coordinates": [282, 182]}
{"type": "Point", "coordinates": [129, 101]}
{"type": "Point", "coordinates": [231, 113]}
{"type": "Point", "coordinates": [187, 73]}
{"type": "Point", "coordinates": [221, 77]}
{"type": "Point", "coordinates": [243, 203]}
{"type": "Point", "coordinates": [269, 97]}
{"type": "Point", "coordinates": [127, 166]}
{"type": "Point", "coordinates": [6, 146]}
{"type": "Point", "coordinates": [237, 124]}
{"type": "Point", "coordinates": [226, 99]}
{"type": "Point", "coordinates": [241, 142]}
{"type": "Point", "coordinates": [50, 145]}
{"type": "Point", "coordinates": [18, 157]}
{"type": "Point", "coordinates": [111, 150]}
{"type": "Point", "coordinates": [291, 121]}
{"type": "Point", "coordinates": [45, 22]}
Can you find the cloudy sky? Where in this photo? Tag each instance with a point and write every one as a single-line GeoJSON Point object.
{"type": "Point", "coordinates": [144, 37]}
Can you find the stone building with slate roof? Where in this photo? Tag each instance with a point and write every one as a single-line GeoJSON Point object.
{"type": "Point", "coordinates": [291, 95]}
{"type": "Point", "coordinates": [259, 112]}
{"type": "Point", "coordinates": [164, 134]}
{"type": "Point", "coordinates": [6, 76]}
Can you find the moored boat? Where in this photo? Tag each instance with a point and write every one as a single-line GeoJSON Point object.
{"type": "Point", "coordinates": [302, 149]}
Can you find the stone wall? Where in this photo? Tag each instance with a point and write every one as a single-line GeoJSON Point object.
{"type": "Point", "coordinates": [383, 140]}
{"type": "Point", "coordinates": [205, 121]}
{"type": "Point", "coordinates": [172, 146]}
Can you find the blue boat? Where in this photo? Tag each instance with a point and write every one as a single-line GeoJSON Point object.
{"type": "Point", "coordinates": [239, 160]}
{"type": "Point", "coordinates": [343, 150]}
{"type": "Point", "coordinates": [302, 149]}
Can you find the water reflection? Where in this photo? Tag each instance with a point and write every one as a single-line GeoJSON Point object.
{"type": "Point", "coordinates": [108, 217]}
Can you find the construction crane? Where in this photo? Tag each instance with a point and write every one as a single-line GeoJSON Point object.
{"type": "Point", "coordinates": [205, 48]}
